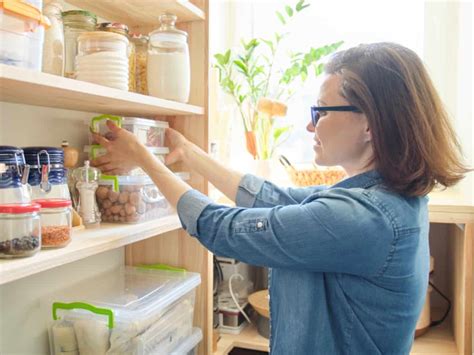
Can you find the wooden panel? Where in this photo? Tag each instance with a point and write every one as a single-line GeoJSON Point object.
{"type": "Point", "coordinates": [28, 87]}
{"type": "Point", "coordinates": [180, 250]}
{"type": "Point", "coordinates": [450, 207]}
{"type": "Point", "coordinates": [140, 12]}
{"type": "Point", "coordinates": [85, 243]}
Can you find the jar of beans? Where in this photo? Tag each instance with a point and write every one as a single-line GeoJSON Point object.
{"type": "Point", "coordinates": [56, 219]}
{"type": "Point", "coordinates": [20, 233]}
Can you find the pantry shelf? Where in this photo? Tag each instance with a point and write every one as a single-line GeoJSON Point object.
{"type": "Point", "coordinates": [85, 243]}
{"type": "Point", "coordinates": [141, 12]}
{"type": "Point", "coordinates": [28, 87]}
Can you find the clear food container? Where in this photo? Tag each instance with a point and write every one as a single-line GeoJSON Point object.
{"type": "Point", "coordinates": [53, 48]}
{"type": "Point", "coordinates": [56, 222]}
{"type": "Point", "coordinates": [141, 52]}
{"type": "Point", "coordinates": [168, 64]}
{"type": "Point", "coordinates": [75, 22]}
{"type": "Point", "coordinates": [48, 177]}
{"type": "Point", "coordinates": [102, 59]}
{"type": "Point", "coordinates": [189, 346]}
{"type": "Point", "coordinates": [13, 176]}
{"type": "Point", "coordinates": [20, 233]}
{"type": "Point", "coordinates": [150, 133]}
{"type": "Point", "coordinates": [21, 34]}
{"type": "Point", "coordinates": [130, 199]}
{"type": "Point", "coordinates": [125, 311]}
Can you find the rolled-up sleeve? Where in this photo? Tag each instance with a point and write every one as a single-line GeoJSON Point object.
{"type": "Point", "coordinates": [329, 233]}
{"type": "Point", "coordinates": [254, 191]}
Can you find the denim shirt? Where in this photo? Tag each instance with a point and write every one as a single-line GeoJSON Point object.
{"type": "Point", "coordinates": [349, 263]}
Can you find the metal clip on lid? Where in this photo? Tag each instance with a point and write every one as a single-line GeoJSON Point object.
{"type": "Point", "coordinates": [45, 185]}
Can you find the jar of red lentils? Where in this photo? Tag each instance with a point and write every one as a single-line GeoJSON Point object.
{"type": "Point", "coordinates": [56, 222]}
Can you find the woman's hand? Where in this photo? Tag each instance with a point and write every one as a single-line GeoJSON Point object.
{"type": "Point", "coordinates": [124, 151]}
{"type": "Point", "coordinates": [177, 144]}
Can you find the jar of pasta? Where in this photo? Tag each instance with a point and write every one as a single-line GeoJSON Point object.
{"type": "Point", "coordinates": [141, 48]}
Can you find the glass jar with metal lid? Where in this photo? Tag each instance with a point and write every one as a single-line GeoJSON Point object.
{"type": "Point", "coordinates": [75, 22]}
{"type": "Point", "coordinates": [123, 30]}
{"type": "Point", "coordinates": [103, 59]}
{"type": "Point", "coordinates": [168, 65]}
{"type": "Point", "coordinates": [13, 176]}
{"type": "Point", "coordinates": [141, 52]}
{"type": "Point", "coordinates": [56, 222]}
{"type": "Point", "coordinates": [48, 177]}
{"type": "Point", "coordinates": [20, 233]}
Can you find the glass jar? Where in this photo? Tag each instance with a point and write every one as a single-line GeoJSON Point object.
{"type": "Point", "coordinates": [48, 177]}
{"type": "Point", "coordinates": [75, 23]}
{"type": "Point", "coordinates": [14, 175]}
{"type": "Point", "coordinates": [168, 66]}
{"type": "Point", "coordinates": [53, 47]}
{"type": "Point", "coordinates": [123, 30]}
{"type": "Point", "coordinates": [103, 59]}
{"type": "Point", "coordinates": [20, 233]}
{"type": "Point", "coordinates": [56, 222]}
{"type": "Point", "coordinates": [141, 51]}
{"type": "Point", "coordinates": [87, 181]}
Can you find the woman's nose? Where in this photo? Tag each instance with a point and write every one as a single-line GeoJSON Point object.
{"type": "Point", "coordinates": [310, 127]}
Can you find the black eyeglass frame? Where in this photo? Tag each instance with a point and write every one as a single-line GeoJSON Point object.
{"type": "Point", "coordinates": [316, 109]}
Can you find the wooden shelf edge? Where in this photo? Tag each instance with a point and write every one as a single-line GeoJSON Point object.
{"type": "Point", "coordinates": [198, 13]}
{"type": "Point", "coordinates": [85, 243]}
{"type": "Point", "coordinates": [24, 86]}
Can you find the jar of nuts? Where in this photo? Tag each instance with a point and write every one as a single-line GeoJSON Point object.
{"type": "Point", "coordinates": [56, 222]}
{"type": "Point", "coordinates": [130, 199]}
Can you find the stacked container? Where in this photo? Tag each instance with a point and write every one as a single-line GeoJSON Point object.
{"type": "Point", "coordinates": [21, 34]}
{"type": "Point", "coordinates": [127, 311]}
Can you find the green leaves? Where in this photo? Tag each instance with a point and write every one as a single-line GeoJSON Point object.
{"type": "Point", "coordinates": [281, 18]}
{"type": "Point", "coordinates": [277, 132]}
{"type": "Point", "coordinates": [289, 10]}
{"type": "Point", "coordinates": [301, 5]}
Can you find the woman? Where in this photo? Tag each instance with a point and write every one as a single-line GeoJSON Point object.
{"type": "Point", "coordinates": [349, 262]}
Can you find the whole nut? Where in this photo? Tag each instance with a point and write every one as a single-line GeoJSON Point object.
{"type": "Point", "coordinates": [134, 198]}
{"type": "Point", "coordinates": [122, 212]}
{"type": "Point", "coordinates": [113, 195]}
{"type": "Point", "coordinates": [116, 209]}
{"type": "Point", "coordinates": [123, 197]}
{"type": "Point", "coordinates": [102, 192]}
{"type": "Point", "coordinates": [130, 209]}
{"type": "Point", "coordinates": [106, 203]}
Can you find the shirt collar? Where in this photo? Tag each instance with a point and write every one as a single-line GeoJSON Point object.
{"type": "Point", "coordinates": [363, 180]}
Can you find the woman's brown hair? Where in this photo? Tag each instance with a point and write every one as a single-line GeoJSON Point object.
{"type": "Point", "coordinates": [415, 146]}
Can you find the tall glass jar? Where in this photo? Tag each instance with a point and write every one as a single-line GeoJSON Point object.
{"type": "Point", "coordinates": [123, 30]}
{"type": "Point", "coordinates": [168, 71]}
{"type": "Point", "coordinates": [75, 23]}
{"type": "Point", "coordinates": [141, 52]}
{"type": "Point", "coordinates": [53, 46]}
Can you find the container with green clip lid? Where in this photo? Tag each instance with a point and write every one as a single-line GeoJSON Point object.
{"type": "Point", "coordinates": [121, 310]}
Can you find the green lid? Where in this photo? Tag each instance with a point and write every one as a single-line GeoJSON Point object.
{"type": "Point", "coordinates": [81, 13]}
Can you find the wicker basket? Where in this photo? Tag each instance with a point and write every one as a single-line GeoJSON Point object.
{"type": "Point", "coordinates": [313, 176]}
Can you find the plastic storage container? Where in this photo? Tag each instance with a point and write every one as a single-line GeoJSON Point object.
{"type": "Point", "coordinates": [53, 48]}
{"type": "Point", "coordinates": [48, 177]}
{"type": "Point", "coordinates": [102, 59]}
{"type": "Point", "coordinates": [130, 199]}
{"type": "Point", "coordinates": [127, 311]}
{"type": "Point", "coordinates": [56, 222]}
{"type": "Point", "coordinates": [141, 52]}
{"type": "Point", "coordinates": [189, 345]}
{"type": "Point", "coordinates": [75, 22]}
{"type": "Point", "coordinates": [13, 176]}
{"type": "Point", "coordinates": [20, 233]}
{"type": "Point", "coordinates": [168, 64]}
{"type": "Point", "coordinates": [21, 34]}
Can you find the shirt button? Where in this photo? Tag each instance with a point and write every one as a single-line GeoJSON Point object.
{"type": "Point", "coordinates": [259, 224]}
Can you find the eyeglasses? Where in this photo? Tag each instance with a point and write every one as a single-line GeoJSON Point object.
{"type": "Point", "coordinates": [316, 111]}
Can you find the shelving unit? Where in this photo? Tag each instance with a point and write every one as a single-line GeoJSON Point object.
{"type": "Point", "coordinates": [85, 243]}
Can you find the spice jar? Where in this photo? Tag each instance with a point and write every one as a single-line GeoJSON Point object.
{"type": "Point", "coordinates": [20, 233]}
{"type": "Point", "coordinates": [75, 23]}
{"type": "Point", "coordinates": [123, 30]}
{"type": "Point", "coordinates": [103, 59]}
{"type": "Point", "coordinates": [87, 179]}
{"type": "Point", "coordinates": [168, 68]}
{"type": "Point", "coordinates": [13, 176]}
{"type": "Point", "coordinates": [53, 47]}
{"type": "Point", "coordinates": [56, 222]}
{"type": "Point", "coordinates": [141, 52]}
{"type": "Point", "coordinates": [47, 178]}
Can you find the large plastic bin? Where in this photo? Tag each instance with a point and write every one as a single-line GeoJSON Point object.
{"type": "Point", "coordinates": [126, 311]}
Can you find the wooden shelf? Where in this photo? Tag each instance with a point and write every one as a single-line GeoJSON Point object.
{"type": "Point", "coordinates": [86, 242]}
{"type": "Point", "coordinates": [450, 207]}
{"type": "Point", "coordinates": [29, 87]}
{"type": "Point", "coordinates": [438, 340]}
{"type": "Point", "coordinates": [141, 12]}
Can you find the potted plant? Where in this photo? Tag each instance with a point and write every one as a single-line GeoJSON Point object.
{"type": "Point", "coordinates": [251, 76]}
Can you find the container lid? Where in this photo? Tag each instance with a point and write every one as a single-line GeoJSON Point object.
{"type": "Point", "coordinates": [138, 37]}
{"type": "Point", "coordinates": [19, 8]}
{"type": "Point", "coordinates": [144, 122]}
{"type": "Point", "coordinates": [115, 27]}
{"type": "Point", "coordinates": [133, 293]}
{"type": "Point", "coordinates": [19, 208]}
{"type": "Point", "coordinates": [11, 155]}
{"type": "Point", "coordinates": [53, 203]}
{"type": "Point", "coordinates": [101, 35]}
{"type": "Point", "coordinates": [53, 155]}
{"type": "Point", "coordinates": [126, 180]}
{"type": "Point", "coordinates": [80, 12]}
{"type": "Point", "coordinates": [99, 149]}
{"type": "Point", "coordinates": [189, 343]}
